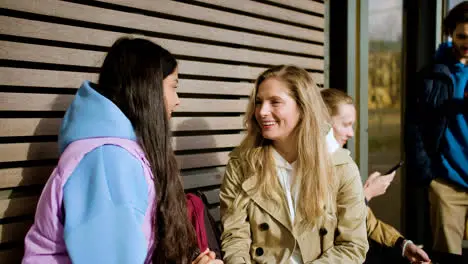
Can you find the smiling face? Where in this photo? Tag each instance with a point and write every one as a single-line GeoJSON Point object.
{"type": "Point", "coordinates": [343, 123]}
{"type": "Point", "coordinates": [171, 98]}
{"type": "Point", "coordinates": [276, 112]}
{"type": "Point", "coordinates": [460, 41]}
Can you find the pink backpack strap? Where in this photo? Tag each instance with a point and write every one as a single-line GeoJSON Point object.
{"type": "Point", "coordinates": [78, 149]}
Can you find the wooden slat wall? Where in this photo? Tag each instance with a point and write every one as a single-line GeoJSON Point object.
{"type": "Point", "coordinates": [48, 47]}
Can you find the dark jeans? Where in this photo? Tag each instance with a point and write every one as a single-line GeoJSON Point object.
{"type": "Point", "coordinates": [447, 258]}
{"type": "Point", "coordinates": [379, 254]}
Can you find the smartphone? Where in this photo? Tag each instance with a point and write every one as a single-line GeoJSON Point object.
{"type": "Point", "coordinates": [394, 168]}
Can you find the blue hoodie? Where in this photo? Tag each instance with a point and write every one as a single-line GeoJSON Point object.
{"type": "Point", "coordinates": [106, 196]}
{"type": "Point", "coordinates": [454, 152]}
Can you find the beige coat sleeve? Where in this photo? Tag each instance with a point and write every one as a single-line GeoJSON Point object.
{"type": "Point", "coordinates": [351, 244]}
{"type": "Point", "coordinates": [380, 232]}
{"type": "Point", "coordinates": [236, 237]}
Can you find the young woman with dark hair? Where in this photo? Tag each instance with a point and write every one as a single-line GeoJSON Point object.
{"type": "Point", "coordinates": [116, 195]}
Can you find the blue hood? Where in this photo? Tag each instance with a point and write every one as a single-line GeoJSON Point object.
{"type": "Point", "coordinates": [92, 115]}
{"type": "Point", "coordinates": [443, 50]}
{"type": "Point", "coordinates": [444, 54]}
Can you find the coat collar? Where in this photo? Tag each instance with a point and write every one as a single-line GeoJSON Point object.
{"type": "Point", "coordinates": [340, 157]}
{"type": "Point", "coordinates": [279, 210]}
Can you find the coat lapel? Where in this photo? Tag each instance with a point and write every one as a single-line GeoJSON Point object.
{"type": "Point", "coordinates": [278, 211]}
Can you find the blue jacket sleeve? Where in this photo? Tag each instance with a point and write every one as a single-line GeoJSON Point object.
{"type": "Point", "coordinates": [105, 200]}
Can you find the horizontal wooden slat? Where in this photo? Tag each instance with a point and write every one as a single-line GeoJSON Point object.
{"type": "Point", "coordinates": [306, 5]}
{"type": "Point", "coordinates": [215, 212]}
{"type": "Point", "coordinates": [10, 127]}
{"type": "Point", "coordinates": [14, 231]}
{"type": "Point", "coordinates": [219, 70]}
{"type": "Point", "coordinates": [34, 102]}
{"type": "Point", "coordinates": [270, 11]}
{"type": "Point", "coordinates": [119, 18]}
{"type": "Point", "coordinates": [60, 102]}
{"type": "Point", "coordinates": [47, 54]}
{"type": "Point", "coordinates": [203, 160]}
{"type": "Point", "coordinates": [44, 30]}
{"type": "Point", "coordinates": [18, 206]}
{"type": "Point", "coordinates": [207, 123]}
{"type": "Point", "coordinates": [15, 177]}
{"type": "Point", "coordinates": [205, 142]}
{"type": "Point", "coordinates": [202, 178]}
{"type": "Point", "coordinates": [8, 256]}
{"type": "Point", "coordinates": [44, 78]}
{"type": "Point", "coordinates": [49, 150]}
{"type": "Point", "coordinates": [28, 151]}
{"type": "Point", "coordinates": [19, 127]}
{"type": "Point", "coordinates": [317, 77]}
{"type": "Point", "coordinates": [222, 17]}
{"type": "Point", "coordinates": [212, 196]}
{"type": "Point", "coordinates": [61, 79]}
{"type": "Point", "coordinates": [75, 57]}
{"type": "Point", "coordinates": [214, 87]}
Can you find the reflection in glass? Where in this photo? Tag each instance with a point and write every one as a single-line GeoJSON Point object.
{"type": "Point", "coordinates": [384, 104]}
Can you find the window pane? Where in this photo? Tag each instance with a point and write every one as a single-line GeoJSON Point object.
{"type": "Point", "coordinates": [453, 3]}
{"type": "Point", "coordinates": [384, 104]}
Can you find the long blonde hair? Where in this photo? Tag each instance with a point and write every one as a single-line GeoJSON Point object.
{"type": "Point", "coordinates": [314, 173]}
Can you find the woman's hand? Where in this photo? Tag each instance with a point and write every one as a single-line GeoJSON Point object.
{"type": "Point", "coordinates": [207, 257]}
{"type": "Point", "coordinates": [416, 254]}
{"type": "Point", "coordinates": [377, 185]}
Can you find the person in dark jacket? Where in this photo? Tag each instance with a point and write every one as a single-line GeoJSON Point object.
{"type": "Point", "coordinates": [437, 134]}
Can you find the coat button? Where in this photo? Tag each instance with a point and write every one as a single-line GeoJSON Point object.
{"type": "Point", "coordinates": [323, 231]}
{"type": "Point", "coordinates": [259, 251]}
{"type": "Point", "coordinates": [337, 233]}
{"type": "Point", "coordinates": [264, 227]}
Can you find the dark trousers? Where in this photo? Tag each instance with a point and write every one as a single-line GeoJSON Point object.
{"type": "Point", "coordinates": [447, 258]}
{"type": "Point", "coordinates": [379, 254]}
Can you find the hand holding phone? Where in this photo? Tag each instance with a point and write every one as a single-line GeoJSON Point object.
{"type": "Point", "coordinates": [394, 168]}
{"type": "Point", "coordinates": [377, 183]}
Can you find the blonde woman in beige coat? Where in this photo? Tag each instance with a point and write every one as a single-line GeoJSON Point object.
{"type": "Point", "coordinates": [284, 198]}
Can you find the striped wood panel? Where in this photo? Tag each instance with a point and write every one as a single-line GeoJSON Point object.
{"type": "Point", "coordinates": [48, 47]}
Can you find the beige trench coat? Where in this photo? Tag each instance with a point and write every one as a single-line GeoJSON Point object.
{"type": "Point", "coordinates": [258, 231]}
{"type": "Point", "coordinates": [380, 232]}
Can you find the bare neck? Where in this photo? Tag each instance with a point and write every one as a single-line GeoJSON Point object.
{"type": "Point", "coordinates": [286, 149]}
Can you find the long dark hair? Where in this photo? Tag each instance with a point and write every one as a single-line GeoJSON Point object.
{"type": "Point", "coordinates": [132, 77]}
